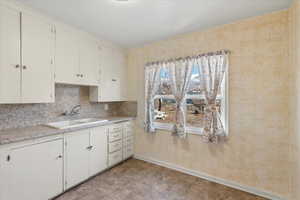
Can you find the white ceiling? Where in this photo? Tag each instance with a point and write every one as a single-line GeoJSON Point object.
{"type": "Point", "coordinates": [137, 22]}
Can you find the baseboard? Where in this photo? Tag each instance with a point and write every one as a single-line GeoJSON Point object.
{"type": "Point", "coordinates": [231, 184]}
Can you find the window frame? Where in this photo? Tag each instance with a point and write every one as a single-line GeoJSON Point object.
{"type": "Point", "coordinates": [196, 130]}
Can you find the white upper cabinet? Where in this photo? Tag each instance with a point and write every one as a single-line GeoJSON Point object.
{"type": "Point", "coordinates": [66, 56]}
{"type": "Point", "coordinates": [77, 58]}
{"type": "Point", "coordinates": [10, 57]}
{"type": "Point", "coordinates": [35, 54]}
{"type": "Point", "coordinates": [26, 58]}
{"type": "Point", "coordinates": [112, 85]}
{"type": "Point", "coordinates": [38, 43]}
{"type": "Point", "coordinates": [89, 61]}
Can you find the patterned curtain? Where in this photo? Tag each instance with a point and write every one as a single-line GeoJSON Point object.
{"type": "Point", "coordinates": [152, 82]}
{"type": "Point", "coordinates": [212, 69]}
{"type": "Point", "coordinates": [180, 75]}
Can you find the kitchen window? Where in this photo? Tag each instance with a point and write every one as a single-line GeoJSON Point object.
{"type": "Point", "coordinates": [164, 103]}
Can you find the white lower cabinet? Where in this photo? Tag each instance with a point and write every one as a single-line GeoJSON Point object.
{"type": "Point", "coordinates": [120, 143]}
{"type": "Point", "coordinates": [76, 157]}
{"type": "Point", "coordinates": [98, 154]}
{"type": "Point", "coordinates": [115, 158]}
{"type": "Point", "coordinates": [33, 171]}
{"type": "Point", "coordinates": [85, 155]}
{"type": "Point", "coordinates": [127, 140]}
{"type": "Point", "coordinates": [43, 168]}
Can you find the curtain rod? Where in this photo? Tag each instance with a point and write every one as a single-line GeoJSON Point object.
{"type": "Point", "coordinates": [189, 57]}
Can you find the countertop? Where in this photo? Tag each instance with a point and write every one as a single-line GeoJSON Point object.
{"type": "Point", "coordinates": [21, 134]}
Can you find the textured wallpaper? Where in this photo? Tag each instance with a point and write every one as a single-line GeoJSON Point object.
{"type": "Point", "coordinates": [16, 116]}
{"type": "Point", "coordinates": [295, 100]}
{"type": "Point", "coordinates": [257, 153]}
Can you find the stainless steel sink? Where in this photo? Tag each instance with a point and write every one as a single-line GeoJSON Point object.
{"type": "Point", "coordinates": [75, 123]}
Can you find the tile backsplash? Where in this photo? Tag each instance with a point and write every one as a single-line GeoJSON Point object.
{"type": "Point", "coordinates": [23, 115]}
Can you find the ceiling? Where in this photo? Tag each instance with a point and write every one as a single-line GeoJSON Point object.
{"type": "Point", "coordinates": [136, 22]}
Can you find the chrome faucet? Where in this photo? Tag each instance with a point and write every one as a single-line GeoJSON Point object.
{"type": "Point", "coordinates": [74, 111]}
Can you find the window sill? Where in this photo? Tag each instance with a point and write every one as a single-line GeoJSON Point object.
{"type": "Point", "coordinates": [168, 127]}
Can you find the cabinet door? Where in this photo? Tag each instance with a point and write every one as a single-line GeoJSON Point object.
{"type": "Point", "coordinates": [35, 172]}
{"type": "Point", "coordinates": [89, 61]}
{"type": "Point", "coordinates": [38, 41]}
{"type": "Point", "coordinates": [113, 77]}
{"type": "Point", "coordinates": [104, 74]}
{"type": "Point", "coordinates": [10, 74]}
{"type": "Point", "coordinates": [77, 157]}
{"type": "Point", "coordinates": [66, 56]}
{"type": "Point", "coordinates": [98, 153]}
{"type": "Point", "coordinates": [109, 83]}
{"type": "Point", "coordinates": [121, 75]}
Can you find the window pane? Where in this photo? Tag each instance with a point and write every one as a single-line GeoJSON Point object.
{"type": "Point", "coordinates": [195, 88]}
{"type": "Point", "coordinates": [164, 110]}
{"type": "Point", "coordinates": [165, 87]}
{"type": "Point", "coordinates": [195, 112]}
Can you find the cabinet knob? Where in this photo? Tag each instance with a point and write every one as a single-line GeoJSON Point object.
{"type": "Point", "coordinates": [17, 66]}
{"type": "Point", "coordinates": [24, 67]}
{"type": "Point", "coordinates": [59, 157]}
{"type": "Point", "coordinates": [78, 75]}
{"type": "Point", "coordinates": [81, 75]}
{"type": "Point", "coordinates": [114, 80]}
{"type": "Point", "coordinates": [89, 148]}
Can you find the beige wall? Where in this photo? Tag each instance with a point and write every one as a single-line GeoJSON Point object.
{"type": "Point", "coordinates": [295, 99]}
{"type": "Point", "coordinates": [258, 151]}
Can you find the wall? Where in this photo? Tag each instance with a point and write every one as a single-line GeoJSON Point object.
{"type": "Point", "coordinates": [294, 19]}
{"type": "Point", "coordinates": [17, 116]}
{"type": "Point", "coordinates": [257, 153]}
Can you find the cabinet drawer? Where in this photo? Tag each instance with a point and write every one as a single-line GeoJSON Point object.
{"type": "Point", "coordinates": [128, 151]}
{"type": "Point", "coordinates": [115, 146]}
{"type": "Point", "coordinates": [116, 128]}
{"type": "Point", "coordinates": [128, 129]}
{"type": "Point", "coordinates": [128, 133]}
{"type": "Point", "coordinates": [115, 136]}
{"type": "Point", "coordinates": [128, 141]}
{"type": "Point", "coordinates": [114, 158]}
{"type": "Point", "coordinates": [128, 125]}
